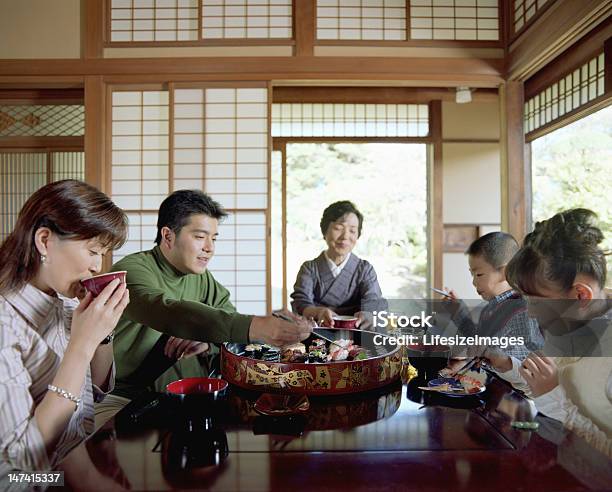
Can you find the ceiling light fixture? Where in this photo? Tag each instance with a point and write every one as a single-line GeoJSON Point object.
{"type": "Point", "coordinates": [463, 95]}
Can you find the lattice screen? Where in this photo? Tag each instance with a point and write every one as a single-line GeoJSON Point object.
{"type": "Point", "coordinates": [154, 20]}
{"type": "Point", "coordinates": [454, 19]}
{"type": "Point", "coordinates": [68, 165]}
{"type": "Point", "coordinates": [140, 144]}
{"type": "Point", "coordinates": [240, 260]}
{"type": "Point", "coordinates": [228, 130]}
{"type": "Point", "coordinates": [524, 10]}
{"type": "Point", "coordinates": [350, 120]}
{"type": "Point", "coordinates": [42, 120]}
{"type": "Point", "coordinates": [567, 94]}
{"type": "Point", "coordinates": [231, 19]}
{"type": "Point", "coordinates": [141, 234]}
{"type": "Point", "coordinates": [21, 174]}
{"type": "Point", "coordinates": [220, 145]}
{"type": "Point", "coordinates": [361, 19]}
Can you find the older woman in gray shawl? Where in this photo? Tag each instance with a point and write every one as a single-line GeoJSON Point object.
{"type": "Point", "coordinates": [337, 282]}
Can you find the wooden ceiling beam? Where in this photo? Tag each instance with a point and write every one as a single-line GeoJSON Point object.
{"type": "Point", "coordinates": [375, 95]}
{"type": "Point", "coordinates": [41, 96]}
{"type": "Point", "coordinates": [468, 71]}
{"type": "Point", "coordinates": [560, 26]}
{"type": "Point", "coordinates": [570, 59]}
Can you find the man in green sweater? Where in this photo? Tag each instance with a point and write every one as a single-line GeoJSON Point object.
{"type": "Point", "coordinates": [177, 307]}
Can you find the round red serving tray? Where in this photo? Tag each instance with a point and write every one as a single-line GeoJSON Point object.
{"type": "Point", "coordinates": [323, 378]}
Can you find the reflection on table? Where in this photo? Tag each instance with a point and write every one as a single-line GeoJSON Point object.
{"type": "Point", "coordinates": [397, 436]}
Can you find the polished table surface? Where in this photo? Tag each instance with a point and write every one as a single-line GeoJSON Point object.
{"type": "Point", "coordinates": [398, 438]}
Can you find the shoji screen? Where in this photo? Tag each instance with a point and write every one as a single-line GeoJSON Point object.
{"type": "Point", "coordinates": [21, 174]}
{"type": "Point", "coordinates": [219, 140]}
{"type": "Point", "coordinates": [221, 147]}
{"type": "Point", "coordinates": [24, 172]}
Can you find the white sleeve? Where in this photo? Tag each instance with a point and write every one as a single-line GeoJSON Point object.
{"type": "Point", "coordinates": [513, 376]}
{"type": "Point", "coordinates": [557, 405]}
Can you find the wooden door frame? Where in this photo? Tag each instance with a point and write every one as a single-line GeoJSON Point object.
{"type": "Point", "coordinates": [434, 189]}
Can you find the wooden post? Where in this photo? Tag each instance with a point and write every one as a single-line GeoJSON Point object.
{"type": "Point", "coordinates": [515, 170]}
{"type": "Point", "coordinates": [96, 137]}
{"type": "Point", "coordinates": [93, 24]}
{"type": "Point", "coordinates": [304, 25]}
{"type": "Point", "coordinates": [436, 226]}
{"type": "Point", "coordinates": [95, 131]}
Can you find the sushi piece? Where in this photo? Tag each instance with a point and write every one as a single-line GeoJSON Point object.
{"type": "Point", "coordinates": [357, 353]}
{"type": "Point", "coordinates": [317, 343]}
{"type": "Point", "coordinates": [290, 355]}
{"type": "Point", "coordinates": [253, 350]}
{"type": "Point", "coordinates": [338, 353]}
{"type": "Point", "coordinates": [317, 356]}
{"type": "Point", "coordinates": [300, 347]}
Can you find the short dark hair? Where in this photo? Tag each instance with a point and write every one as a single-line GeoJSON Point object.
{"type": "Point", "coordinates": [557, 250]}
{"type": "Point", "coordinates": [337, 210]}
{"type": "Point", "coordinates": [175, 210]}
{"type": "Point", "coordinates": [496, 248]}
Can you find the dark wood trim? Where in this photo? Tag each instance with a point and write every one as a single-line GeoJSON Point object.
{"type": "Point", "coordinates": [49, 166]}
{"type": "Point", "coordinates": [200, 20]}
{"type": "Point", "coordinates": [569, 60]}
{"type": "Point", "coordinates": [41, 96]}
{"type": "Point", "coordinates": [41, 82]}
{"type": "Point", "coordinates": [201, 43]}
{"type": "Point", "coordinates": [505, 20]}
{"type": "Point", "coordinates": [41, 150]}
{"type": "Point", "coordinates": [436, 197]}
{"type": "Point", "coordinates": [413, 43]}
{"type": "Point", "coordinates": [304, 22]}
{"type": "Point", "coordinates": [42, 142]}
{"type": "Point", "coordinates": [95, 132]}
{"type": "Point", "coordinates": [171, 88]}
{"type": "Point", "coordinates": [528, 190]}
{"type": "Point", "coordinates": [269, 208]}
{"type": "Point", "coordinates": [285, 140]}
{"type": "Point", "coordinates": [556, 29]}
{"type": "Point", "coordinates": [374, 95]}
{"type": "Point", "coordinates": [578, 113]}
{"type": "Point", "coordinates": [474, 72]}
{"type": "Point", "coordinates": [95, 22]}
{"type": "Point", "coordinates": [608, 65]}
{"type": "Point", "coordinates": [283, 149]}
{"type": "Point", "coordinates": [514, 172]}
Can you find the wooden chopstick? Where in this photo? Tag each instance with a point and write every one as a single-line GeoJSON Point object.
{"type": "Point", "coordinates": [327, 339]}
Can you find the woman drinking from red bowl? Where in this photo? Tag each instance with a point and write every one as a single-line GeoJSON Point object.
{"type": "Point", "coordinates": [55, 353]}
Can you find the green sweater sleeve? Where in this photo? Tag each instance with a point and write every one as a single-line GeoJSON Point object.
{"type": "Point", "coordinates": [153, 306]}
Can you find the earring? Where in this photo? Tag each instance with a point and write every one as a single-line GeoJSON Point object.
{"type": "Point", "coordinates": [43, 258]}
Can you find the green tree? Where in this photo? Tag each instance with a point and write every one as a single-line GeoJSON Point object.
{"type": "Point", "coordinates": [572, 167]}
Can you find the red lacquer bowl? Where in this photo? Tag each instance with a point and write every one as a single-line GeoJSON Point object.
{"type": "Point", "coordinates": [96, 284]}
{"type": "Point", "coordinates": [201, 387]}
{"type": "Point", "coordinates": [346, 322]}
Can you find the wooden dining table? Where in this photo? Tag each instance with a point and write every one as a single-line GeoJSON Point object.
{"type": "Point", "coordinates": [395, 438]}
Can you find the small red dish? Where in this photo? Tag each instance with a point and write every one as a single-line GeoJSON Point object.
{"type": "Point", "coordinates": [348, 322]}
{"type": "Point", "coordinates": [207, 387]}
{"type": "Point", "coordinates": [276, 405]}
{"type": "Point", "coordinates": [96, 284]}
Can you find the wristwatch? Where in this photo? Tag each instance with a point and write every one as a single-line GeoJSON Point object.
{"type": "Point", "coordinates": [108, 339]}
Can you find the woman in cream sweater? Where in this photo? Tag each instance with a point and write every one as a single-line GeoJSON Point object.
{"type": "Point", "coordinates": [561, 269]}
